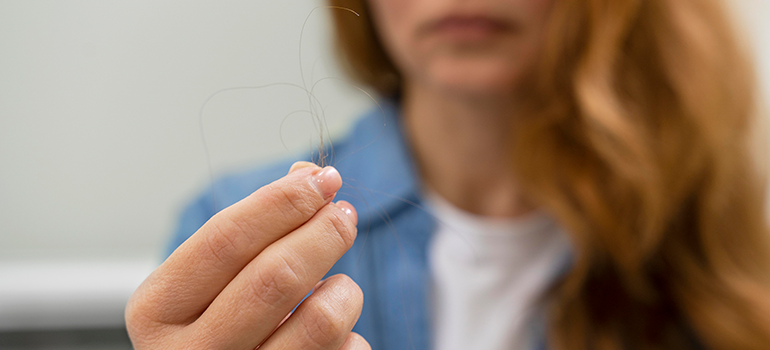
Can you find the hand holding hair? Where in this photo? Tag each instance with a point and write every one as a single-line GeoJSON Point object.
{"type": "Point", "coordinates": [233, 283]}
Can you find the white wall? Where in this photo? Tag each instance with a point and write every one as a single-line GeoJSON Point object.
{"type": "Point", "coordinates": [753, 17]}
{"type": "Point", "coordinates": [99, 138]}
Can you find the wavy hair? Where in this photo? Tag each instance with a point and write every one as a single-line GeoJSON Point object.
{"type": "Point", "coordinates": [639, 141]}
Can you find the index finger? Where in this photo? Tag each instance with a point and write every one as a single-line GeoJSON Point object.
{"type": "Point", "coordinates": [189, 280]}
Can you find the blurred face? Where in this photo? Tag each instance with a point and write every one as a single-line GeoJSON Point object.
{"type": "Point", "coordinates": [479, 48]}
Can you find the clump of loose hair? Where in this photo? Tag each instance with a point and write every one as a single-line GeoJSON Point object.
{"type": "Point", "coordinates": [639, 143]}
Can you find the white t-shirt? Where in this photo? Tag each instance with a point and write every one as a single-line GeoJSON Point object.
{"type": "Point", "coordinates": [488, 276]}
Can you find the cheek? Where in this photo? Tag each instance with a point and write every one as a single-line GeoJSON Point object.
{"type": "Point", "coordinates": [395, 22]}
{"type": "Point", "coordinates": [390, 16]}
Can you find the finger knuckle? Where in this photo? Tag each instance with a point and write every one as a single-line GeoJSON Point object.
{"type": "Point", "coordinates": [220, 241]}
{"type": "Point", "coordinates": [360, 340]}
{"type": "Point", "coordinates": [353, 293]}
{"type": "Point", "coordinates": [295, 200]}
{"type": "Point", "coordinates": [133, 317]}
{"type": "Point", "coordinates": [276, 283]}
{"type": "Point", "coordinates": [140, 325]}
{"type": "Point", "coordinates": [339, 222]}
{"type": "Point", "coordinates": [324, 323]}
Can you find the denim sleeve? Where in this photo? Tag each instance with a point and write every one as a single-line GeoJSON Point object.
{"type": "Point", "coordinates": [193, 217]}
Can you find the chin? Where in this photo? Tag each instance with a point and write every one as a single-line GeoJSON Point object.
{"type": "Point", "coordinates": [476, 78]}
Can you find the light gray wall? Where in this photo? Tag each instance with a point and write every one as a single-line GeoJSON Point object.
{"type": "Point", "coordinates": [99, 137]}
{"type": "Point", "coordinates": [752, 17]}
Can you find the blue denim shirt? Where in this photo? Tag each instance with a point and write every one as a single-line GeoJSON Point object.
{"type": "Point", "coordinates": [389, 257]}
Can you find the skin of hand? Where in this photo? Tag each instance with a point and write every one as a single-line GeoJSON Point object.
{"type": "Point", "coordinates": [232, 284]}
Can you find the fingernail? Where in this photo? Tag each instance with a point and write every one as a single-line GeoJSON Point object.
{"type": "Point", "coordinates": [327, 182]}
{"type": "Point", "coordinates": [300, 165]}
{"type": "Point", "coordinates": [348, 209]}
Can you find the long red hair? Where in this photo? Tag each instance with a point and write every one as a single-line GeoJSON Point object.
{"type": "Point", "coordinates": [639, 143]}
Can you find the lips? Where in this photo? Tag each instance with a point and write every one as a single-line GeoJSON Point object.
{"type": "Point", "coordinates": [468, 27]}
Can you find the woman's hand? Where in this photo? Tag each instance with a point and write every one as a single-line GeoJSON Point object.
{"type": "Point", "coordinates": [233, 283]}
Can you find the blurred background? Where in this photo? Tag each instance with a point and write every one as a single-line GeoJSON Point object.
{"type": "Point", "coordinates": [101, 143]}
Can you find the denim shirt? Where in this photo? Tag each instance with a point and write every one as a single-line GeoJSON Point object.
{"type": "Point", "coordinates": [389, 257]}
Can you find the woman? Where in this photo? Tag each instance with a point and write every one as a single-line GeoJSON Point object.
{"type": "Point", "coordinates": [586, 164]}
